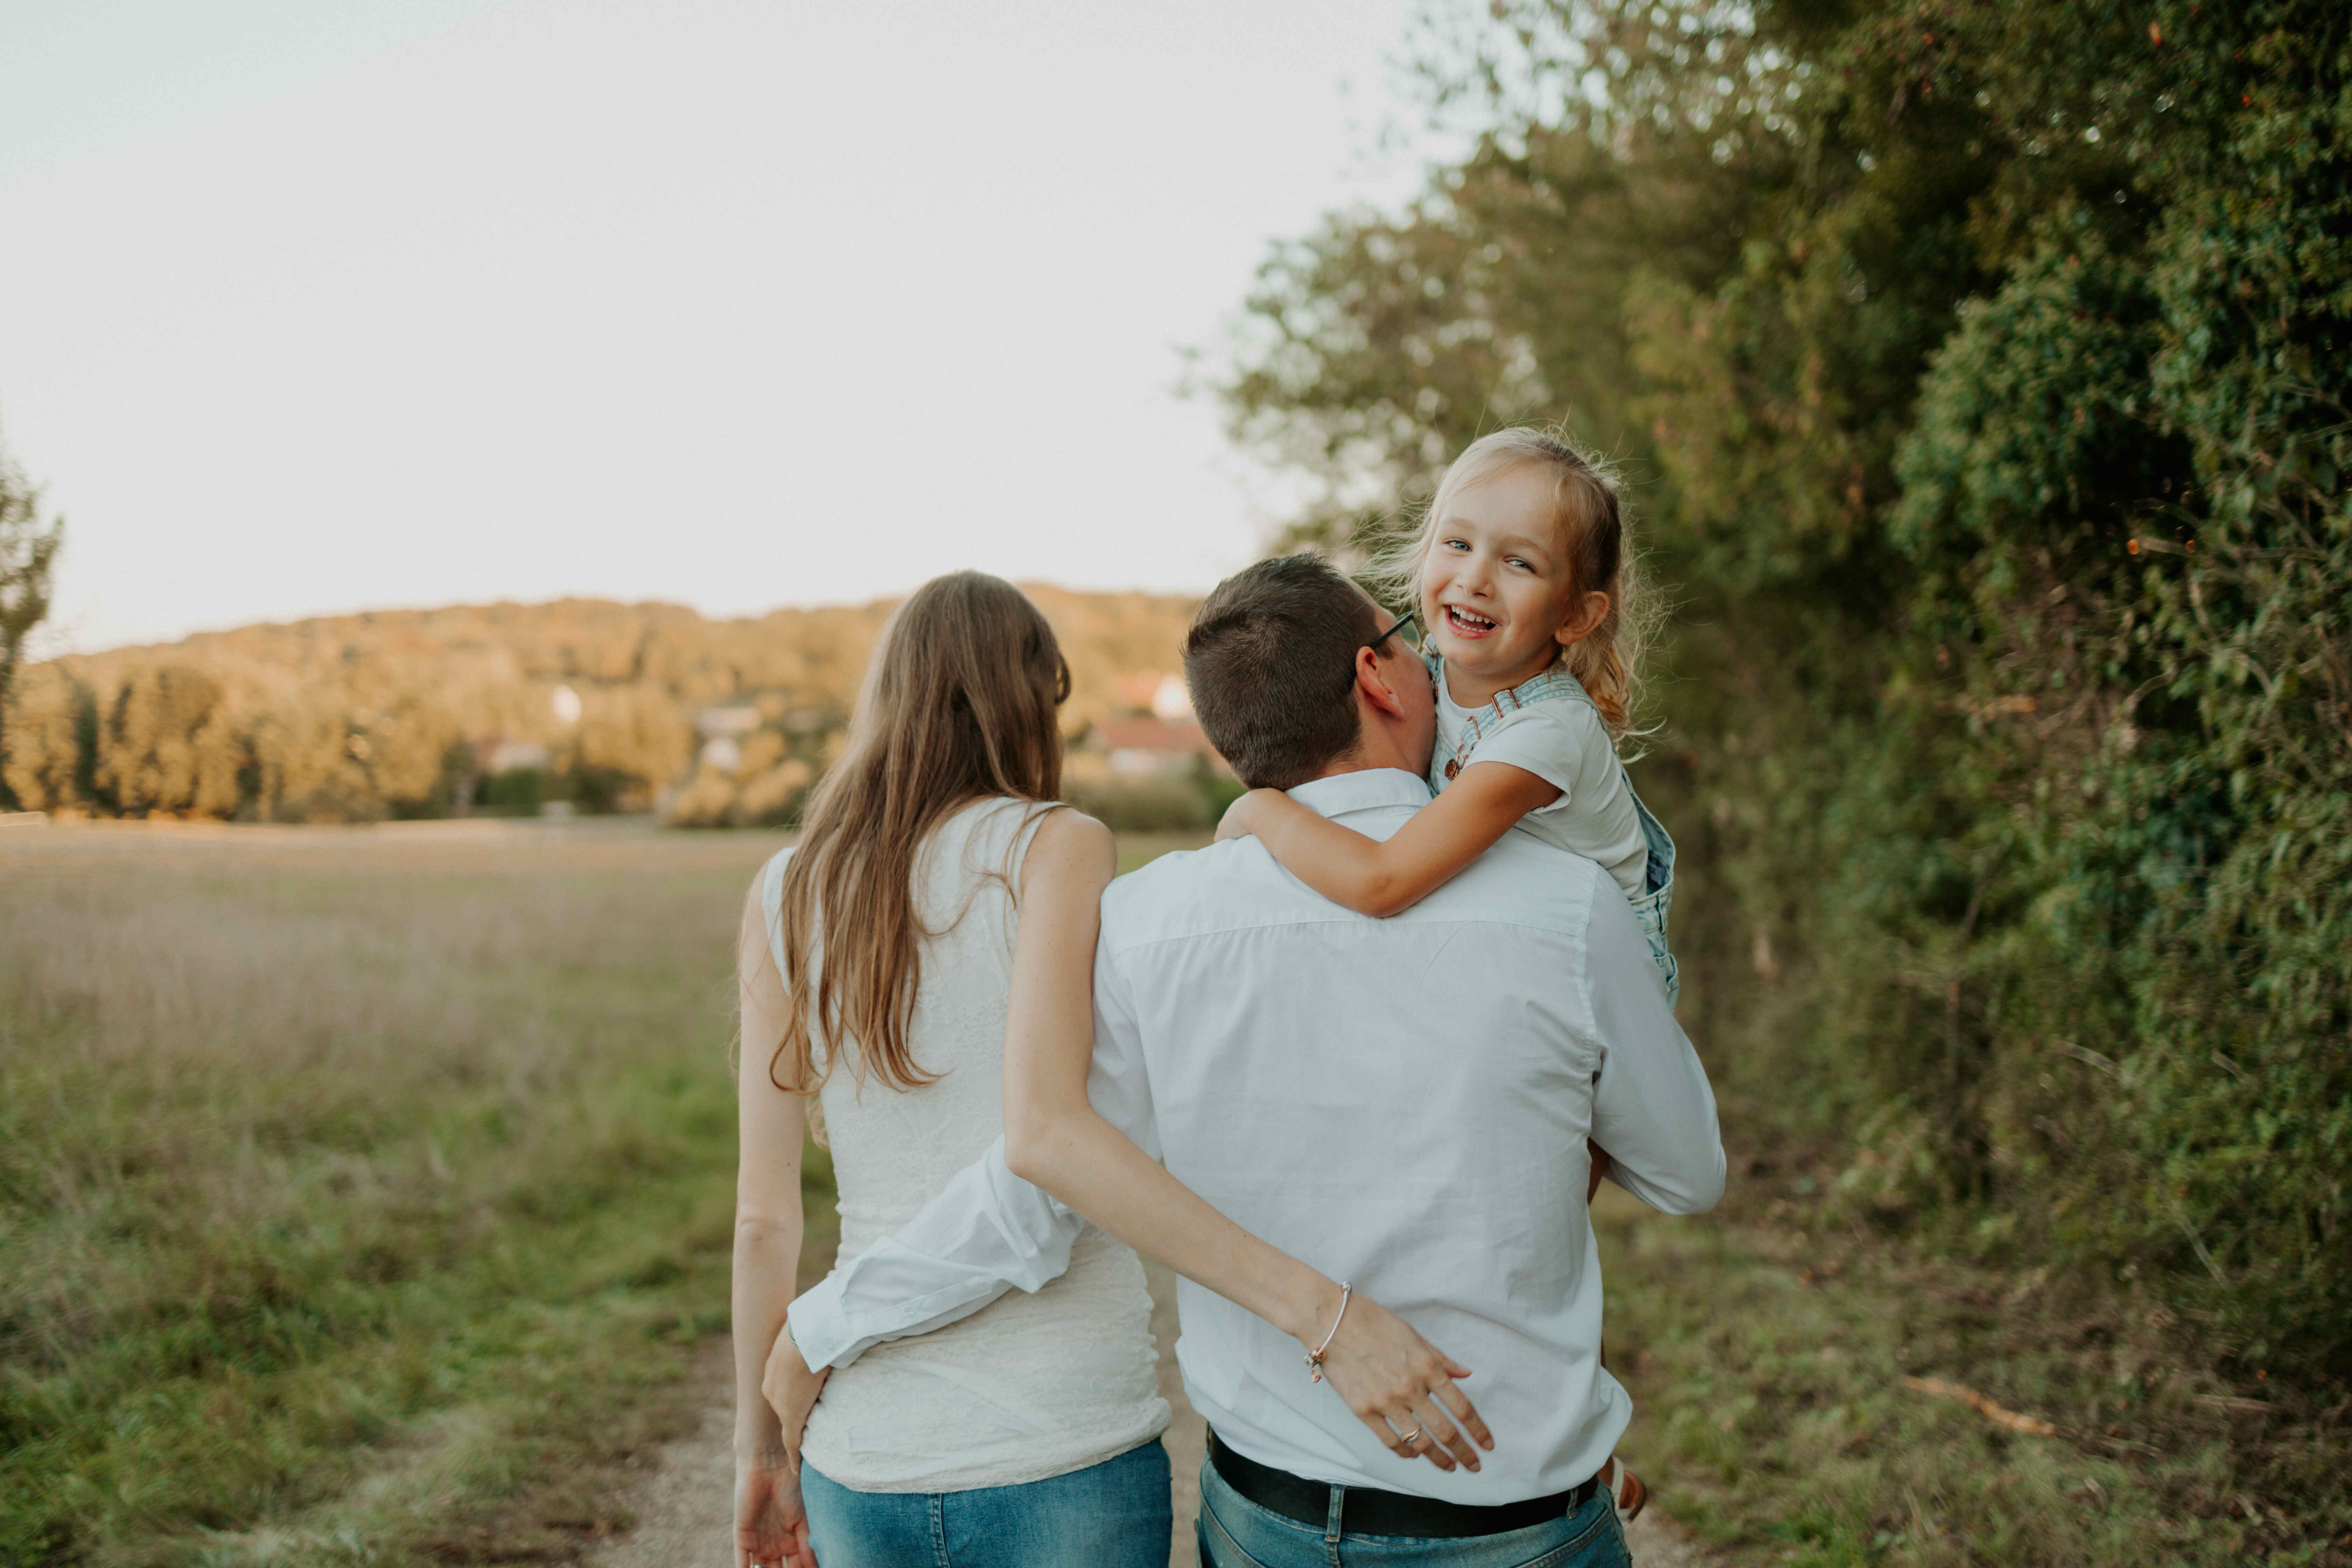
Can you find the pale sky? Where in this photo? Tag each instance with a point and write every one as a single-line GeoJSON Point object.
{"type": "Point", "coordinates": [310, 306]}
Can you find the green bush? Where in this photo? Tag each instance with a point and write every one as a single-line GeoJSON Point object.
{"type": "Point", "coordinates": [1151, 802]}
{"type": "Point", "coordinates": [1986, 373]}
{"type": "Point", "coordinates": [517, 791]}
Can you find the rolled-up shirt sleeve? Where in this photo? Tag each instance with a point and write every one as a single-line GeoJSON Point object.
{"type": "Point", "coordinates": [986, 1232]}
{"type": "Point", "coordinates": [1652, 1109]}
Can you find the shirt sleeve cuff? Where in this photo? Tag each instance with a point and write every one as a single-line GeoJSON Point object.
{"type": "Point", "coordinates": [819, 1326]}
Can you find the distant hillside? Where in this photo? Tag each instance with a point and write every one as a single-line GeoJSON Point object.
{"type": "Point", "coordinates": [501, 707]}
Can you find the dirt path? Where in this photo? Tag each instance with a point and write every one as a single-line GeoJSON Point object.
{"type": "Point", "coordinates": [683, 1503]}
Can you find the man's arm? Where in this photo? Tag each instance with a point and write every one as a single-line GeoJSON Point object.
{"type": "Point", "coordinates": [1651, 1108]}
{"type": "Point", "coordinates": [987, 1232]}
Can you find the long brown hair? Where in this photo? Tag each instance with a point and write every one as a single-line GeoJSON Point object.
{"type": "Point", "coordinates": [958, 705]}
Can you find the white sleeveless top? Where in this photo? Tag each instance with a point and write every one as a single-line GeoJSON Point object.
{"type": "Point", "coordinates": [1029, 1386]}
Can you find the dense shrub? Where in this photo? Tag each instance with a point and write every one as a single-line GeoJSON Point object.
{"type": "Point", "coordinates": [1987, 370]}
{"type": "Point", "coordinates": [1178, 801]}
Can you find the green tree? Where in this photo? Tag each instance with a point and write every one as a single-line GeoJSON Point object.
{"type": "Point", "coordinates": [28, 552]}
{"type": "Point", "coordinates": [1987, 371]}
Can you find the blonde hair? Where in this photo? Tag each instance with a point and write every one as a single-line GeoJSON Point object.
{"type": "Point", "coordinates": [1593, 531]}
{"type": "Point", "coordinates": [958, 705]}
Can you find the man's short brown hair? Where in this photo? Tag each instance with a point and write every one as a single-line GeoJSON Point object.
{"type": "Point", "coordinates": [1271, 660]}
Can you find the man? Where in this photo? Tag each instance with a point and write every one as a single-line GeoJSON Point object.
{"type": "Point", "coordinates": [1403, 1103]}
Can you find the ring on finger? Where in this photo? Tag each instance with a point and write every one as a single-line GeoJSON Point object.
{"type": "Point", "coordinates": [1409, 1437]}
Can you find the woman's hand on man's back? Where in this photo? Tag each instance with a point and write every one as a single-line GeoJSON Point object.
{"type": "Point", "coordinates": [1402, 1387]}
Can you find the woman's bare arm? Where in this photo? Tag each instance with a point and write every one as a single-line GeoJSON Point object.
{"type": "Point", "coordinates": [1053, 1137]}
{"type": "Point", "coordinates": [769, 1524]}
{"type": "Point", "coordinates": [1376, 877]}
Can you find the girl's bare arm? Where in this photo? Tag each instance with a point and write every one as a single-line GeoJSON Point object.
{"type": "Point", "coordinates": [1379, 878]}
{"type": "Point", "coordinates": [1389, 1376]}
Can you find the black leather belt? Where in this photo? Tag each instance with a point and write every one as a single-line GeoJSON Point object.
{"type": "Point", "coordinates": [1366, 1511]}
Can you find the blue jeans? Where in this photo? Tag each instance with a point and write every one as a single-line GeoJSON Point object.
{"type": "Point", "coordinates": [1237, 1533]}
{"type": "Point", "coordinates": [1111, 1515]}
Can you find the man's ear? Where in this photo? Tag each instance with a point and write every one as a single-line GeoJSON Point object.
{"type": "Point", "coordinates": [1373, 684]}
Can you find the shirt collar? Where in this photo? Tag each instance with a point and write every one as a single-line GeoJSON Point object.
{"type": "Point", "coordinates": [1362, 790]}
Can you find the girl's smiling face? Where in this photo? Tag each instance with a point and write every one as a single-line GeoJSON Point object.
{"type": "Point", "coordinates": [1497, 594]}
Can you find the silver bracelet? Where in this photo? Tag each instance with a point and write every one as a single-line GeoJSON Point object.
{"type": "Point", "coordinates": [1314, 1356]}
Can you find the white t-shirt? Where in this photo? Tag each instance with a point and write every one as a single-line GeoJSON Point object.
{"type": "Point", "coordinates": [1563, 743]}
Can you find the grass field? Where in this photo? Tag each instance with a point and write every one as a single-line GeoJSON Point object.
{"type": "Point", "coordinates": [363, 1192]}
{"type": "Point", "coordinates": [364, 1189]}
{"type": "Point", "coordinates": [1801, 1397]}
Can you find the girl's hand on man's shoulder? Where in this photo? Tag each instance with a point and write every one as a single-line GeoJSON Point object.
{"type": "Point", "coordinates": [1240, 820]}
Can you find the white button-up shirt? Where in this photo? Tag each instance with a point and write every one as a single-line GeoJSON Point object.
{"type": "Point", "coordinates": [1402, 1103]}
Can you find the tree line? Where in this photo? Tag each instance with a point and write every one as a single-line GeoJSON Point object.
{"type": "Point", "coordinates": [1983, 371]}
{"type": "Point", "coordinates": [503, 708]}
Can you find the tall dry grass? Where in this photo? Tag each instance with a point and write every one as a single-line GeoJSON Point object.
{"type": "Point", "coordinates": [343, 1171]}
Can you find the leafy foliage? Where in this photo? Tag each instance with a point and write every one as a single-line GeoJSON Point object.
{"type": "Point", "coordinates": [28, 552]}
{"type": "Point", "coordinates": [1989, 365]}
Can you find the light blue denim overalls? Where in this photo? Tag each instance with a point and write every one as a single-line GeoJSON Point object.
{"type": "Point", "coordinates": [1453, 752]}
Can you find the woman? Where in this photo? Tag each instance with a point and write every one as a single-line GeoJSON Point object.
{"type": "Point", "coordinates": [1028, 1433]}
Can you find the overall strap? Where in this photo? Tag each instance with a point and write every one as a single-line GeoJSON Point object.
{"type": "Point", "coordinates": [1554, 685]}
{"type": "Point", "coordinates": [1451, 753]}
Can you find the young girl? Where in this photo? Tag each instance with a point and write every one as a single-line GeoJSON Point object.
{"type": "Point", "coordinates": [1519, 578]}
